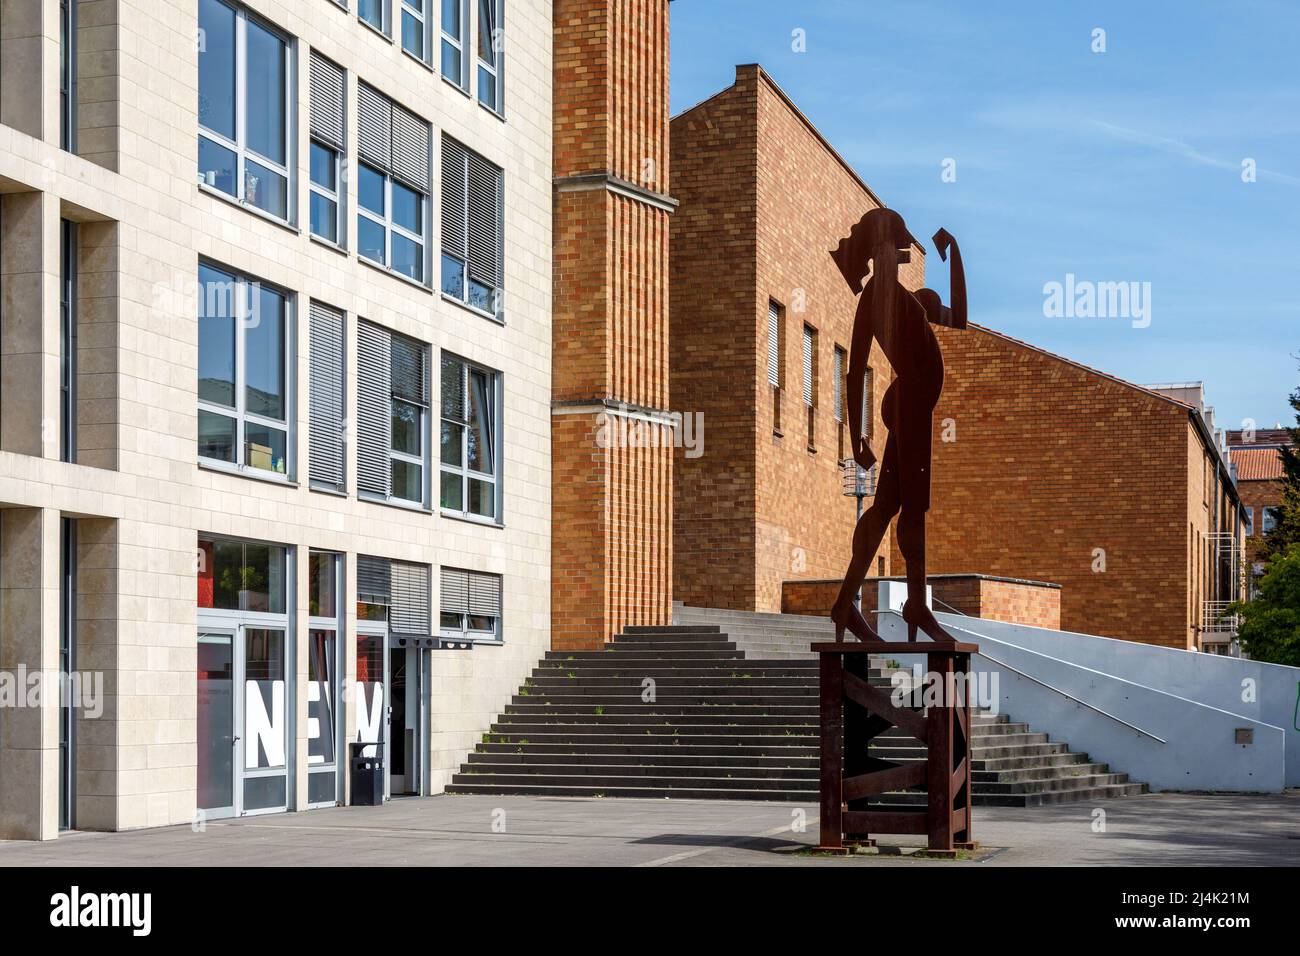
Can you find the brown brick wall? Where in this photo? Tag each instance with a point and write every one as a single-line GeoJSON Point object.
{"type": "Point", "coordinates": [1016, 602]}
{"type": "Point", "coordinates": [1259, 495]}
{"type": "Point", "coordinates": [1051, 461]}
{"type": "Point", "coordinates": [763, 201]}
{"type": "Point", "coordinates": [611, 506]}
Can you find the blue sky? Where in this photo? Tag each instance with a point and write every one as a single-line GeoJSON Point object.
{"type": "Point", "coordinates": [1122, 166]}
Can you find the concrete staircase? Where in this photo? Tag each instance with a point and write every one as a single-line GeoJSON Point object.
{"type": "Point", "coordinates": [683, 712]}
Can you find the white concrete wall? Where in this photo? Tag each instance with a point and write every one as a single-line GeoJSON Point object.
{"type": "Point", "coordinates": [1193, 703]}
{"type": "Point", "coordinates": [159, 497]}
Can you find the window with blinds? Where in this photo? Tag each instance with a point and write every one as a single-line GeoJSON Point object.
{"type": "Point", "coordinates": [839, 384]}
{"type": "Point", "coordinates": [809, 366]}
{"type": "Point", "coordinates": [470, 456]}
{"type": "Point", "coordinates": [774, 344]}
{"type": "Point", "coordinates": [327, 111]}
{"type": "Point", "coordinates": [410, 612]}
{"type": "Point", "coordinates": [327, 410]}
{"type": "Point", "coordinates": [472, 228]}
{"type": "Point", "coordinates": [469, 605]}
{"type": "Point", "coordinates": [393, 148]}
{"type": "Point", "coordinates": [392, 415]}
{"type": "Point", "coordinates": [374, 581]}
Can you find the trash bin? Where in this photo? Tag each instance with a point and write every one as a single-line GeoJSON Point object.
{"type": "Point", "coordinates": [367, 775]}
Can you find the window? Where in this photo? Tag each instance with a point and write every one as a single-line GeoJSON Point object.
{"type": "Point", "coordinates": [392, 184]}
{"type": "Point", "coordinates": [491, 42]}
{"type": "Point", "coordinates": [327, 149]}
{"type": "Point", "coordinates": [324, 684]}
{"type": "Point", "coordinates": [775, 351]}
{"type": "Point", "coordinates": [455, 25]}
{"type": "Point", "coordinates": [841, 360]}
{"type": "Point", "coordinates": [244, 109]}
{"type": "Point", "coordinates": [469, 605]}
{"type": "Point", "coordinates": [866, 403]}
{"type": "Point", "coordinates": [1249, 521]}
{"type": "Point", "coordinates": [244, 373]}
{"type": "Point", "coordinates": [810, 381]}
{"type": "Point", "coordinates": [1271, 518]}
{"type": "Point", "coordinates": [328, 411]}
{"type": "Point", "coordinates": [373, 13]}
{"type": "Point", "coordinates": [472, 218]}
{"type": "Point", "coordinates": [68, 75]}
{"type": "Point", "coordinates": [470, 441]}
{"type": "Point", "coordinates": [392, 416]}
{"type": "Point", "coordinates": [241, 576]}
{"type": "Point", "coordinates": [68, 341]}
{"type": "Point", "coordinates": [415, 28]}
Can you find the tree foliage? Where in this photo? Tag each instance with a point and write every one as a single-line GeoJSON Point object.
{"type": "Point", "coordinates": [1269, 627]}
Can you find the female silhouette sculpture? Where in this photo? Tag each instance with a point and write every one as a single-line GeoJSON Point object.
{"type": "Point", "coordinates": [900, 321]}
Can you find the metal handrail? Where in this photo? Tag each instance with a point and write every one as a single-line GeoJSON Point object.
{"type": "Point", "coordinates": [1042, 683]}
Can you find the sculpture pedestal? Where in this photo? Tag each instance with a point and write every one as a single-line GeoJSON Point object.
{"type": "Point", "coordinates": [944, 729]}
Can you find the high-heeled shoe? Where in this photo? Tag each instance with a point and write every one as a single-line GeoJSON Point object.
{"type": "Point", "coordinates": [917, 615]}
{"type": "Point", "coordinates": [852, 619]}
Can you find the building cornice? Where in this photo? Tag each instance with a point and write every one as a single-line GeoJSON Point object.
{"type": "Point", "coordinates": [590, 182]}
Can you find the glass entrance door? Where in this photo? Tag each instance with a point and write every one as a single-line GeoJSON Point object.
{"type": "Point", "coordinates": [264, 769]}
{"type": "Point", "coordinates": [243, 721]}
{"type": "Point", "coordinates": [407, 718]}
{"type": "Point", "coordinates": [216, 723]}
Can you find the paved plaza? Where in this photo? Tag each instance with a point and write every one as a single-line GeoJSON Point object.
{"type": "Point", "coordinates": [1154, 829]}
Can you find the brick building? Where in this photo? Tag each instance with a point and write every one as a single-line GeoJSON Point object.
{"type": "Point", "coordinates": [761, 320]}
{"type": "Point", "coordinates": [1057, 472]}
{"type": "Point", "coordinates": [1055, 465]}
{"type": "Point", "coordinates": [1258, 465]}
{"type": "Point", "coordinates": [612, 557]}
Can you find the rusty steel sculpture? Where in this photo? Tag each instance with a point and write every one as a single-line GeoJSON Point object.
{"type": "Point", "coordinates": [852, 710]}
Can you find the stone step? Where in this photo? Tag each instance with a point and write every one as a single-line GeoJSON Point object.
{"type": "Point", "coordinates": [694, 723]}
{"type": "Point", "coordinates": [649, 748]}
{"type": "Point", "coordinates": [644, 792]}
{"type": "Point", "coordinates": [803, 777]}
{"type": "Point", "coordinates": [664, 707]}
{"type": "Point", "coordinates": [673, 629]}
{"type": "Point", "coordinates": [585, 735]}
{"type": "Point", "coordinates": [671, 757]}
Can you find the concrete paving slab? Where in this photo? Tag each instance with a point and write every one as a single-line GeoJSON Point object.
{"type": "Point", "coordinates": [1155, 829]}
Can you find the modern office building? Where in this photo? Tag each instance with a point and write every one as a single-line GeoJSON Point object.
{"type": "Point", "coordinates": [275, 401]}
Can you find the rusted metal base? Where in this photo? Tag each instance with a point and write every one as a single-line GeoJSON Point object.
{"type": "Point", "coordinates": [944, 730]}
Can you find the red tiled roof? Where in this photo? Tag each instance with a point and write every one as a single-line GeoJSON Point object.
{"type": "Point", "coordinates": [1257, 464]}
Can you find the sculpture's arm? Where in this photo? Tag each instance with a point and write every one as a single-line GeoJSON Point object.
{"type": "Point", "coordinates": [955, 316]}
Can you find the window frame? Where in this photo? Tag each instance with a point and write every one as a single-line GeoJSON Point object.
{"type": "Point", "coordinates": [496, 395]}
{"type": "Point", "coordinates": [385, 26]}
{"type": "Point", "coordinates": [461, 82]}
{"type": "Point", "coordinates": [243, 152]}
{"type": "Point", "coordinates": [68, 260]}
{"type": "Point", "coordinates": [405, 8]}
{"type": "Point", "coordinates": [390, 225]}
{"type": "Point", "coordinates": [1269, 518]}
{"type": "Point", "coordinates": [497, 292]}
{"type": "Point", "coordinates": [496, 70]}
{"type": "Point", "coordinates": [336, 197]}
{"type": "Point", "coordinates": [68, 75]}
{"type": "Point", "coordinates": [424, 458]}
{"type": "Point", "coordinates": [464, 633]}
{"type": "Point", "coordinates": [239, 412]}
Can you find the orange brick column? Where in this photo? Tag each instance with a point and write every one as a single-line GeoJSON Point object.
{"type": "Point", "coordinates": [611, 441]}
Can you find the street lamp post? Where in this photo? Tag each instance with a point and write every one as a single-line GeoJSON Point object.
{"type": "Point", "coordinates": [858, 483]}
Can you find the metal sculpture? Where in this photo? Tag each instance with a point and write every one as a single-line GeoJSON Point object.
{"type": "Point", "coordinates": [900, 321]}
{"type": "Point", "coordinates": [853, 711]}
